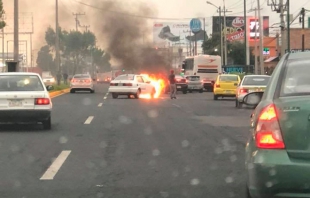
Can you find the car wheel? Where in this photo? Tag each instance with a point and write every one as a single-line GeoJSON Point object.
{"type": "Point", "coordinates": [201, 91]}
{"type": "Point", "coordinates": [72, 91]}
{"type": "Point", "coordinates": [190, 91]}
{"type": "Point", "coordinates": [114, 95]}
{"type": "Point", "coordinates": [137, 95]}
{"type": "Point", "coordinates": [184, 91]}
{"type": "Point", "coordinates": [92, 91]}
{"type": "Point", "coordinates": [47, 124]}
{"type": "Point", "coordinates": [215, 97]}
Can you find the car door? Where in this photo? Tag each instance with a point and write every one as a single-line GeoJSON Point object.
{"type": "Point", "coordinates": [141, 84]}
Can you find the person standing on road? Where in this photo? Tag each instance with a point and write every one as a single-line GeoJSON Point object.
{"type": "Point", "coordinates": [173, 88]}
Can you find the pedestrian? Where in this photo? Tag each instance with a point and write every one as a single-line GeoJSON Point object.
{"type": "Point", "coordinates": [65, 76]}
{"type": "Point", "coordinates": [173, 88]}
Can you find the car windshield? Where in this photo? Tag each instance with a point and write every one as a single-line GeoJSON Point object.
{"type": "Point", "coordinates": [228, 78]}
{"type": "Point", "coordinates": [193, 78]}
{"type": "Point", "coordinates": [20, 83]}
{"type": "Point", "coordinates": [255, 80]}
{"type": "Point", "coordinates": [124, 77]}
{"type": "Point", "coordinates": [82, 76]}
{"type": "Point", "coordinates": [296, 79]}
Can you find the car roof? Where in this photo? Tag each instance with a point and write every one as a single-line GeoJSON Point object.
{"type": "Point", "coordinates": [81, 75]}
{"type": "Point", "coordinates": [228, 75]}
{"type": "Point", "coordinates": [256, 75]}
{"type": "Point", "coordinates": [299, 55]}
{"type": "Point", "coordinates": [18, 73]}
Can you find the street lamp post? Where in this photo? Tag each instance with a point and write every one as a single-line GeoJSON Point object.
{"type": "Point", "coordinates": [220, 17]}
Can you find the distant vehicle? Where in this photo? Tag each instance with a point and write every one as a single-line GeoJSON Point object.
{"type": "Point", "coordinates": [48, 78]}
{"type": "Point", "coordinates": [24, 99]}
{"type": "Point", "coordinates": [82, 82]}
{"type": "Point", "coordinates": [194, 84]}
{"type": "Point", "coordinates": [226, 86]}
{"type": "Point", "coordinates": [208, 67]}
{"type": "Point", "coordinates": [181, 84]}
{"type": "Point", "coordinates": [131, 84]}
{"type": "Point", "coordinates": [277, 154]}
{"type": "Point", "coordinates": [103, 77]}
{"type": "Point", "coordinates": [250, 83]}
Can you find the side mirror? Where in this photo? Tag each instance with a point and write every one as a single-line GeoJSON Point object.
{"type": "Point", "coordinates": [49, 87]}
{"type": "Point", "coordinates": [253, 98]}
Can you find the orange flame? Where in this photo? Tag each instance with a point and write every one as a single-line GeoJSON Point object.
{"type": "Point", "coordinates": [158, 84]}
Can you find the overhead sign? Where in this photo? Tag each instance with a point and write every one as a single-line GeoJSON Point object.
{"type": "Point", "coordinates": [253, 28]}
{"type": "Point", "coordinates": [195, 25]}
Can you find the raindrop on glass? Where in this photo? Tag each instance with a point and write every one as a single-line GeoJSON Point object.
{"type": "Point", "coordinates": [100, 195]}
{"type": "Point", "coordinates": [229, 179]}
{"type": "Point", "coordinates": [156, 152]}
{"type": "Point", "coordinates": [269, 184]}
{"type": "Point", "coordinates": [148, 131]}
{"type": "Point", "coordinates": [103, 144]}
{"type": "Point", "coordinates": [218, 150]}
{"type": "Point", "coordinates": [175, 173]}
{"type": "Point", "coordinates": [233, 158]}
{"type": "Point", "coordinates": [124, 120]}
{"type": "Point", "coordinates": [185, 143]}
{"type": "Point", "coordinates": [272, 172]}
{"type": "Point", "coordinates": [63, 140]}
{"type": "Point", "coordinates": [152, 114]}
{"type": "Point", "coordinates": [195, 182]}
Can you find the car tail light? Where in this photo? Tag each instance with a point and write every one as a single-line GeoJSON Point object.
{"type": "Point", "coordinates": [217, 86]}
{"type": "Point", "coordinates": [42, 101]}
{"type": "Point", "coordinates": [127, 84]}
{"type": "Point", "coordinates": [74, 80]}
{"type": "Point", "coordinates": [268, 133]}
{"type": "Point", "coordinates": [87, 81]}
{"type": "Point", "coordinates": [112, 84]}
{"type": "Point", "coordinates": [243, 91]}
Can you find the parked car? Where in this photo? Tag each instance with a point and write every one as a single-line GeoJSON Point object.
{"type": "Point", "coordinates": [225, 86]}
{"type": "Point", "coordinates": [278, 153]}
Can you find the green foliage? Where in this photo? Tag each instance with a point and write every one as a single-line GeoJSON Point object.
{"type": "Point", "coordinates": [2, 22]}
{"type": "Point", "coordinates": [60, 87]}
{"type": "Point", "coordinates": [45, 59]}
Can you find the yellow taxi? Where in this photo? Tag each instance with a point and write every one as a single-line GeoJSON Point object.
{"type": "Point", "coordinates": [226, 86]}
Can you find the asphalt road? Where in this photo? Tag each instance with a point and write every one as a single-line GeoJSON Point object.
{"type": "Point", "coordinates": [101, 147]}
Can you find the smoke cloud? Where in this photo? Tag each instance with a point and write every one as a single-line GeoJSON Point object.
{"type": "Point", "coordinates": [125, 37]}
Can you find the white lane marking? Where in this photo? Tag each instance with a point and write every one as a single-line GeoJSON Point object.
{"type": "Point", "coordinates": [89, 119]}
{"type": "Point", "coordinates": [100, 105]}
{"type": "Point", "coordinates": [55, 166]}
{"type": "Point", "coordinates": [105, 97]}
{"type": "Point", "coordinates": [176, 105]}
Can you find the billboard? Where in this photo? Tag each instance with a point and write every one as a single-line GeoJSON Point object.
{"type": "Point", "coordinates": [167, 34]}
{"type": "Point", "coordinates": [235, 26]}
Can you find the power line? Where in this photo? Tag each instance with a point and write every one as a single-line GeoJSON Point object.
{"type": "Point", "coordinates": [77, 22]}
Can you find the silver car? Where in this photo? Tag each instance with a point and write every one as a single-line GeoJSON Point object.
{"type": "Point", "coordinates": [194, 84]}
{"type": "Point", "coordinates": [82, 82]}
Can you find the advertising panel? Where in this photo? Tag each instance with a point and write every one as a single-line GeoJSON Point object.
{"type": "Point", "coordinates": [175, 33]}
{"type": "Point", "coordinates": [235, 27]}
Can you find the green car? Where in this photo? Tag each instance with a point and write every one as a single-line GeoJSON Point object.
{"type": "Point", "coordinates": [278, 151]}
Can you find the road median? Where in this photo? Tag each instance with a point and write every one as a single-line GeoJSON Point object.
{"type": "Point", "coordinates": [59, 90]}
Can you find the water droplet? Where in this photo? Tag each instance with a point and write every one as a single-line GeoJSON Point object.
{"type": "Point", "coordinates": [229, 179]}
{"type": "Point", "coordinates": [103, 163]}
{"type": "Point", "coordinates": [124, 120]}
{"type": "Point", "coordinates": [260, 159]}
{"type": "Point", "coordinates": [63, 140]}
{"type": "Point", "coordinates": [272, 172]}
{"type": "Point", "coordinates": [187, 169]}
{"type": "Point", "coordinates": [152, 114]}
{"type": "Point", "coordinates": [30, 158]}
{"type": "Point", "coordinates": [195, 182]}
{"type": "Point", "coordinates": [14, 148]}
{"type": "Point", "coordinates": [289, 124]}
{"type": "Point", "coordinates": [100, 195]}
{"type": "Point", "coordinates": [213, 167]}
{"type": "Point", "coordinates": [218, 150]}
{"type": "Point", "coordinates": [225, 141]}
{"type": "Point", "coordinates": [231, 194]}
{"type": "Point", "coordinates": [185, 143]}
{"type": "Point", "coordinates": [164, 194]}
{"type": "Point", "coordinates": [227, 148]}
{"type": "Point", "coordinates": [269, 184]}
{"type": "Point", "coordinates": [156, 152]}
{"type": "Point", "coordinates": [90, 165]}
{"type": "Point", "coordinates": [148, 131]}
{"type": "Point", "coordinates": [103, 144]}
{"type": "Point", "coordinates": [250, 166]}
{"type": "Point", "coordinates": [152, 163]}
{"type": "Point", "coordinates": [86, 101]}
{"type": "Point", "coordinates": [233, 158]}
{"type": "Point", "coordinates": [17, 184]}
{"type": "Point", "coordinates": [175, 173]}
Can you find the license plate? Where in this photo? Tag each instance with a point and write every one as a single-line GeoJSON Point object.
{"type": "Point", "coordinates": [178, 86]}
{"type": "Point", "coordinates": [15, 103]}
{"type": "Point", "coordinates": [227, 91]}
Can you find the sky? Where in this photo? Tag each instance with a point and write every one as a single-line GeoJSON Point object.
{"type": "Point", "coordinates": [43, 12]}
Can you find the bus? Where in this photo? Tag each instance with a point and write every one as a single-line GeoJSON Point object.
{"type": "Point", "coordinates": [208, 67]}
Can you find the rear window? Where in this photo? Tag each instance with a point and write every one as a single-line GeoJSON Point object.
{"type": "Point", "coordinates": [20, 83]}
{"type": "Point", "coordinates": [81, 76]}
{"type": "Point", "coordinates": [124, 77]}
{"type": "Point", "coordinates": [193, 78]}
{"type": "Point", "coordinates": [256, 81]}
{"type": "Point", "coordinates": [228, 78]}
{"type": "Point", "coordinates": [296, 80]}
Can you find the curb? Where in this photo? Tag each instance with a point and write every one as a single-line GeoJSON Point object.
{"type": "Point", "coordinates": [57, 93]}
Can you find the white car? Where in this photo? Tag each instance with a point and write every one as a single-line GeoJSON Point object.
{"type": "Point", "coordinates": [24, 99]}
{"type": "Point", "coordinates": [48, 80]}
{"type": "Point", "coordinates": [82, 82]}
{"type": "Point", "coordinates": [131, 84]}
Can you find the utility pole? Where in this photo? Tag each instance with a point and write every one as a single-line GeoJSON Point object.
{"type": "Point", "coordinates": [288, 26]}
{"type": "Point", "coordinates": [16, 32]}
{"type": "Point", "coordinates": [225, 33]}
{"type": "Point", "coordinates": [302, 20]}
{"type": "Point", "coordinates": [282, 26]}
{"type": "Point", "coordinates": [57, 62]}
{"type": "Point", "coordinates": [77, 23]}
{"type": "Point", "coordinates": [221, 35]}
{"type": "Point", "coordinates": [87, 26]}
{"type": "Point", "coordinates": [261, 40]}
{"type": "Point", "coordinates": [255, 40]}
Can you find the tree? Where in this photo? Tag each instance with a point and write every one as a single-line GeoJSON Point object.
{"type": "Point", "coordinates": [2, 22]}
{"type": "Point", "coordinates": [101, 59]}
{"type": "Point", "coordinates": [45, 59]}
{"type": "Point", "coordinates": [236, 53]}
{"type": "Point", "coordinates": [212, 43]}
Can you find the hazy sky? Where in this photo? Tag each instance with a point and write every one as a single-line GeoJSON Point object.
{"type": "Point", "coordinates": [44, 12]}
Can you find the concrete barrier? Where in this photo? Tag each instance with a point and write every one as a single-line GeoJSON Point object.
{"type": "Point", "coordinates": [57, 93]}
